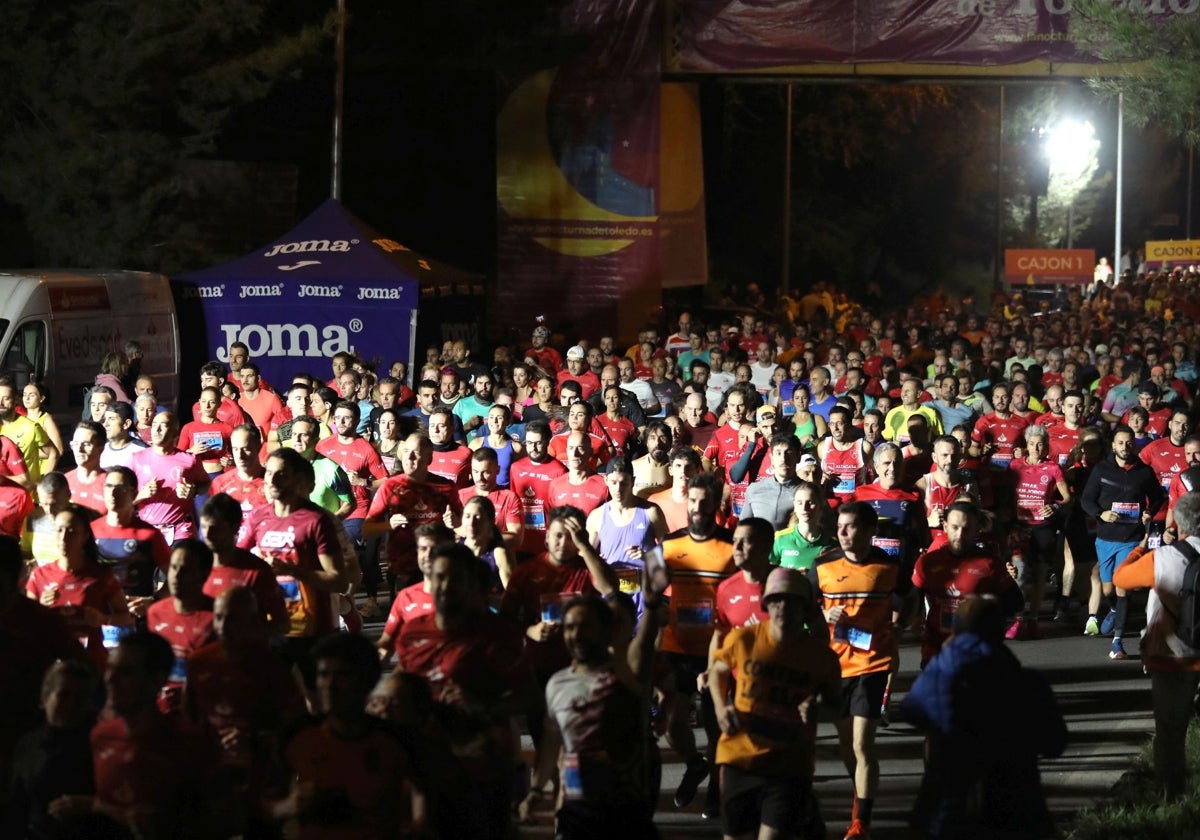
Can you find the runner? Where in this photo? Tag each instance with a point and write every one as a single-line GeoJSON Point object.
{"type": "Point", "coordinates": [799, 547]}
{"type": "Point", "coordinates": [624, 528]}
{"type": "Point", "coordinates": [39, 452]}
{"type": "Point", "coordinates": [450, 458]}
{"type": "Point", "coordinates": [350, 772]}
{"type": "Point", "coordinates": [299, 542]}
{"type": "Point", "coordinates": [580, 486]}
{"type": "Point", "coordinates": [185, 618]}
{"type": "Point", "coordinates": [684, 464]}
{"type": "Point", "coordinates": [168, 479]}
{"type": "Point", "coordinates": [699, 558]}
{"type": "Point", "coordinates": [945, 485]}
{"type": "Point", "coordinates": [485, 468]}
{"type": "Point", "coordinates": [529, 478]}
{"type": "Point", "coordinates": [208, 437]}
{"type": "Point", "coordinates": [87, 479]}
{"type": "Point", "coordinates": [1042, 492]}
{"type": "Point", "coordinates": [479, 677]}
{"type": "Point", "coordinates": [331, 486]}
{"type": "Point", "coordinates": [221, 519]}
{"type": "Point", "coordinates": [772, 496]}
{"type": "Point", "coordinates": [87, 594]}
{"type": "Point", "coordinates": [120, 441]}
{"type": "Point", "coordinates": [243, 483]}
{"type": "Point", "coordinates": [1123, 494]}
{"type": "Point", "coordinates": [961, 566]}
{"type": "Point", "coordinates": [406, 501]}
{"type": "Point", "coordinates": [261, 406]}
{"type": "Point", "coordinates": [844, 456]}
{"type": "Point", "coordinates": [859, 584]}
{"type": "Point", "coordinates": [133, 550]}
{"type": "Point", "coordinates": [766, 751]}
{"type": "Point", "coordinates": [417, 599]}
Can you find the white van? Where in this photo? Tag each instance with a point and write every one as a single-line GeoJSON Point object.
{"type": "Point", "coordinates": [56, 325]}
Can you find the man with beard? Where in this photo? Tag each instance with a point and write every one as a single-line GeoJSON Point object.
{"type": "Point", "coordinates": [530, 478]}
{"type": "Point", "coordinates": [699, 559]}
{"type": "Point", "coordinates": [596, 721]}
{"type": "Point", "coordinates": [299, 541]}
{"type": "Point", "coordinates": [651, 472]}
{"type": "Point", "coordinates": [39, 452]}
{"type": "Point", "coordinates": [945, 576]}
{"type": "Point", "coordinates": [1123, 494]}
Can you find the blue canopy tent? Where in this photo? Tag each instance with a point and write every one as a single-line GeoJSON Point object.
{"type": "Point", "coordinates": [330, 284]}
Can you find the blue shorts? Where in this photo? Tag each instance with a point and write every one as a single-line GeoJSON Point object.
{"type": "Point", "coordinates": [1109, 555]}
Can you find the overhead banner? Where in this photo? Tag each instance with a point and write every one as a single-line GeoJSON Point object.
{"type": "Point", "coordinates": [874, 37]}
{"type": "Point", "coordinates": [578, 180]}
{"type": "Point", "coordinates": [1159, 254]}
{"type": "Point", "coordinates": [1044, 267]}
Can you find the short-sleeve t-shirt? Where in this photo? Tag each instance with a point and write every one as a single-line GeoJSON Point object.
{"type": "Point", "coordinates": [241, 568]}
{"type": "Point", "coordinates": [165, 507]}
{"type": "Point", "coordinates": [132, 552]}
{"type": "Point", "coordinates": [420, 501]}
{"type": "Point", "coordinates": [1037, 486]}
{"type": "Point", "coordinates": [93, 587]}
{"type": "Point", "coordinates": [773, 679]}
{"type": "Point", "coordinates": [697, 568]}
{"type": "Point", "coordinates": [299, 538]}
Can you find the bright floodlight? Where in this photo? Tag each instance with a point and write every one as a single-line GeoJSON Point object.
{"type": "Point", "coordinates": [1068, 145]}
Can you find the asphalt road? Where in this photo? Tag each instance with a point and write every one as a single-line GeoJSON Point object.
{"type": "Point", "coordinates": [1106, 705]}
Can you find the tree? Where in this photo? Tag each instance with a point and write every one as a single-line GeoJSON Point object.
{"type": "Point", "coordinates": [1161, 82]}
{"type": "Point", "coordinates": [104, 104]}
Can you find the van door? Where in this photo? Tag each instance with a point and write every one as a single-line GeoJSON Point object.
{"type": "Point", "coordinates": [25, 358]}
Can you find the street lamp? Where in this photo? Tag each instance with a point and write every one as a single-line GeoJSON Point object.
{"type": "Point", "coordinates": [1070, 152]}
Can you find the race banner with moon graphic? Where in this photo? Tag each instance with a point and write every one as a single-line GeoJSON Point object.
{"type": "Point", "coordinates": [578, 180]}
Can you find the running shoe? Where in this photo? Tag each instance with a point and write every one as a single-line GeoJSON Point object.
{"type": "Point", "coordinates": [697, 769]}
{"type": "Point", "coordinates": [712, 801]}
{"type": "Point", "coordinates": [1092, 628]}
{"type": "Point", "coordinates": [1106, 624]}
{"type": "Point", "coordinates": [1118, 650]}
{"type": "Point", "coordinates": [1014, 630]}
{"type": "Point", "coordinates": [857, 831]}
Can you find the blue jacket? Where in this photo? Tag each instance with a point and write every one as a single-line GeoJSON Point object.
{"type": "Point", "coordinates": [988, 719]}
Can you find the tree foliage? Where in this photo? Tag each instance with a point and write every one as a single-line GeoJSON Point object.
{"type": "Point", "coordinates": [104, 103]}
{"type": "Point", "coordinates": [1161, 82]}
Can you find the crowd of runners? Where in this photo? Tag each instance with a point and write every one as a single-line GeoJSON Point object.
{"type": "Point", "coordinates": [727, 526]}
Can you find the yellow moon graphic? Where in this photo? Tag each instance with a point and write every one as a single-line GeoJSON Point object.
{"type": "Point", "coordinates": [529, 184]}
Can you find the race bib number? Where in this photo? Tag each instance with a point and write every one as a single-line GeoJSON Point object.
{"type": "Point", "coordinates": [572, 777]}
{"type": "Point", "coordinates": [888, 545]}
{"type": "Point", "coordinates": [844, 486]}
{"type": "Point", "coordinates": [629, 579]}
{"type": "Point", "coordinates": [1127, 511]}
{"type": "Point", "coordinates": [694, 615]}
{"type": "Point", "coordinates": [1001, 462]}
{"type": "Point", "coordinates": [856, 637]}
{"type": "Point", "coordinates": [535, 518]}
{"type": "Point", "coordinates": [112, 634]}
{"type": "Point", "coordinates": [552, 607]}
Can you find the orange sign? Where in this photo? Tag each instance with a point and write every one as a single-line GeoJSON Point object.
{"type": "Point", "coordinates": [1038, 267]}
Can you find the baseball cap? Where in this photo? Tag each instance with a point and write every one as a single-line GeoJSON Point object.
{"type": "Point", "coordinates": [541, 331]}
{"type": "Point", "coordinates": [1101, 349]}
{"type": "Point", "coordinates": [807, 460]}
{"type": "Point", "coordinates": [786, 582]}
{"type": "Point", "coordinates": [1157, 369]}
{"type": "Point", "coordinates": [765, 412]}
{"type": "Point", "coordinates": [576, 352]}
